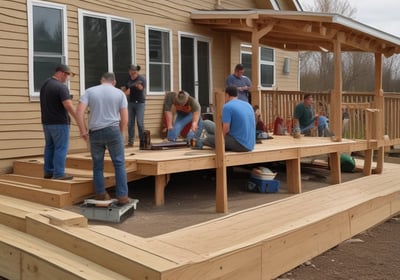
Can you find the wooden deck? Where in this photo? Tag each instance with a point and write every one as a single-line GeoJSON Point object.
{"type": "Point", "coordinates": [258, 243]}
{"type": "Point", "coordinates": [37, 238]}
{"type": "Point", "coordinates": [26, 182]}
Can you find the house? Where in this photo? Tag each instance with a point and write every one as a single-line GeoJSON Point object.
{"type": "Point", "coordinates": [94, 37]}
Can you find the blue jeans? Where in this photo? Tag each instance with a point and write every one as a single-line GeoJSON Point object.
{"type": "Point", "coordinates": [136, 113]}
{"type": "Point", "coordinates": [56, 148]}
{"type": "Point", "coordinates": [231, 144]}
{"type": "Point", "coordinates": [108, 138]}
{"type": "Point", "coordinates": [180, 122]}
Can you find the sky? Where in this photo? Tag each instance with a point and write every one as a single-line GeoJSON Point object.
{"type": "Point", "coordinates": [382, 14]}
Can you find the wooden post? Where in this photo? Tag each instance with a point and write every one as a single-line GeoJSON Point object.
{"type": "Point", "coordinates": [221, 181]}
{"type": "Point", "coordinates": [336, 98]}
{"type": "Point", "coordinates": [379, 115]}
{"type": "Point", "coordinates": [334, 163]}
{"type": "Point", "coordinates": [255, 61]}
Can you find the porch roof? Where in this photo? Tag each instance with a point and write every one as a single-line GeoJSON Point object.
{"type": "Point", "coordinates": [300, 31]}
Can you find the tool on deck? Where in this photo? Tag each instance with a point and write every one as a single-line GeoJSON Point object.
{"type": "Point", "coordinates": [108, 210]}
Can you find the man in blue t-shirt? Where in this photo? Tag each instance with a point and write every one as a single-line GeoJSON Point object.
{"type": "Point", "coordinates": [238, 124]}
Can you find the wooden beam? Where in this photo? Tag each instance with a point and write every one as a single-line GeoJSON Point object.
{"type": "Point", "coordinates": [220, 161]}
{"type": "Point", "coordinates": [336, 94]}
{"type": "Point", "coordinates": [379, 115]}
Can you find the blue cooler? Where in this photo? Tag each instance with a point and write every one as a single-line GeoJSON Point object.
{"type": "Point", "coordinates": [263, 186]}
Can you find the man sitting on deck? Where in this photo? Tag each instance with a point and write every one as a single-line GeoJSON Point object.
{"type": "Point", "coordinates": [238, 124]}
{"type": "Point", "coordinates": [303, 117]}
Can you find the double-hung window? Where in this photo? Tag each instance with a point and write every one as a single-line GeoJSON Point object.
{"type": "Point", "coordinates": [47, 42]}
{"type": "Point", "coordinates": [106, 45]}
{"type": "Point", "coordinates": [267, 67]}
{"type": "Point", "coordinates": [159, 59]}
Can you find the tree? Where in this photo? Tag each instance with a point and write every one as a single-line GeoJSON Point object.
{"type": "Point", "coordinates": [317, 68]}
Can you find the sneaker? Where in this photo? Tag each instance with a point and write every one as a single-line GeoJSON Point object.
{"type": "Point", "coordinates": [102, 196]}
{"type": "Point", "coordinates": [130, 145]}
{"type": "Point", "coordinates": [123, 200]}
{"type": "Point", "coordinates": [48, 175]}
{"type": "Point", "coordinates": [64, 177]}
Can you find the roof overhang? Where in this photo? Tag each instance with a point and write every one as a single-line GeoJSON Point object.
{"type": "Point", "coordinates": [300, 31]}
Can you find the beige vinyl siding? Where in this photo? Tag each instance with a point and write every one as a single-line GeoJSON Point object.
{"type": "Point", "coordinates": [20, 127]}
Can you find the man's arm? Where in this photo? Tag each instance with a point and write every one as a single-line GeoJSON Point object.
{"type": "Point", "coordinates": [225, 128]}
{"type": "Point", "coordinates": [67, 103]}
{"type": "Point", "coordinates": [195, 120]}
{"type": "Point", "coordinates": [80, 119]}
{"type": "Point", "coordinates": [168, 119]}
{"type": "Point", "coordinates": [123, 112]}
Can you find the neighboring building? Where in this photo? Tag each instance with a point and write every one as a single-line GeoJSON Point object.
{"type": "Point", "coordinates": [98, 36]}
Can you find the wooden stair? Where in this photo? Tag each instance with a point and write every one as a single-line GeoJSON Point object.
{"type": "Point", "coordinates": [27, 182]}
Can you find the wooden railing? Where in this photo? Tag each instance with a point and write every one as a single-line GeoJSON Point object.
{"type": "Point", "coordinates": [281, 104]}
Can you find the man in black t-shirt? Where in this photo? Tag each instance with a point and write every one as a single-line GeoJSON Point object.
{"type": "Point", "coordinates": [55, 104]}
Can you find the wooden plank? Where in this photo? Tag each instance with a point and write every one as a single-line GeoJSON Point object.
{"type": "Point", "coordinates": [10, 261]}
{"type": "Point", "coordinates": [47, 197]}
{"type": "Point", "coordinates": [34, 258]}
{"type": "Point", "coordinates": [115, 255]}
{"type": "Point", "coordinates": [288, 251]}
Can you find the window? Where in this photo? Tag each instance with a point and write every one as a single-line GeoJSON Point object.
{"type": "Point", "coordinates": [106, 46]}
{"type": "Point", "coordinates": [47, 42]}
{"type": "Point", "coordinates": [159, 75]}
{"type": "Point", "coordinates": [267, 64]}
{"type": "Point", "coordinates": [267, 67]}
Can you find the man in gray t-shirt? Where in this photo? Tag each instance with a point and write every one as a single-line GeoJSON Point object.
{"type": "Point", "coordinates": [107, 118]}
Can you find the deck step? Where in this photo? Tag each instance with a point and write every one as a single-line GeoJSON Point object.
{"type": "Point", "coordinates": [34, 258]}
{"type": "Point", "coordinates": [35, 193]}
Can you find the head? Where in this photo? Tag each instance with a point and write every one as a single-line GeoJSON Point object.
{"type": "Point", "coordinates": [308, 100]}
{"type": "Point", "coordinates": [182, 97]}
{"type": "Point", "coordinates": [63, 72]}
{"type": "Point", "coordinates": [239, 70]}
{"type": "Point", "coordinates": [134, 70]}
{"type": "Point", "coordinates": [231, 92]}
{"type": "Point", "coordinates": [108, 78]}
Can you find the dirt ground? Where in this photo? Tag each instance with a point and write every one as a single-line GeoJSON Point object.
{"type": "Point", "coordinates": [190, 199]}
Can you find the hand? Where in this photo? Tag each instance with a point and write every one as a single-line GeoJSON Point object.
{"type": "Point", "coordinates": [194, 126]}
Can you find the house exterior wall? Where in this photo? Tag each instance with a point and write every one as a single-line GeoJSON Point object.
{"type": "Point", "coordinates": [20, 126]}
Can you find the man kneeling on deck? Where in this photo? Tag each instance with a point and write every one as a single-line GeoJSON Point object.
{"type": "Point", "coordinates": [238, 124]}
{"type": "Point", "coordinates": [187, 111]}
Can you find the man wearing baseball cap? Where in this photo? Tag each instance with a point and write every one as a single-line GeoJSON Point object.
{"type": "Point", "coordinates": [56, 106]}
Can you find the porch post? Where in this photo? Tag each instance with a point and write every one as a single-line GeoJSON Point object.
{"type": "Point", "coordinates": [379, 115]}
{"type": "Point", "coordinates": [256, 35]}
{"type": "Point", "coordinates": [220, 162]}
{"type": "Point", "coordinates": [335, 116]}
{"type": "Point", "coordinates": [255, 81]}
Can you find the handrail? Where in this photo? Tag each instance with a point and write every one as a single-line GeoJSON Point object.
{"type": "Point", "coordinates": [279, 103]}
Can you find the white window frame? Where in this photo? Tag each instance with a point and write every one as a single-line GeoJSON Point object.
{"type": "Point", "coordinates": [265, 62]}
{"type": "Point", "coordinates": [35, 95]}
{"type": "Point", "coordinates": [148, 77]}
{"type": "Point", "coordinates": [197, 38]}
{"type": "Point", "coordinates": [81, 14]}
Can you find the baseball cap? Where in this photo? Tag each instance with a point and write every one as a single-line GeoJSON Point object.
{"type": "Point", "coordinates": [182, 97]}
{"type": "Point", "coordinates": [134, 67]}
{"type": "Point", "coordinates": [65, 68]}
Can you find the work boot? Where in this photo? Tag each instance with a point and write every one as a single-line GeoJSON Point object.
{"type": "Point", "coordinates": [64, 177]}
{"type": "Point", "coordinates": [102, 196]}
{"type": "Point", "coordinates": [123, 200]}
